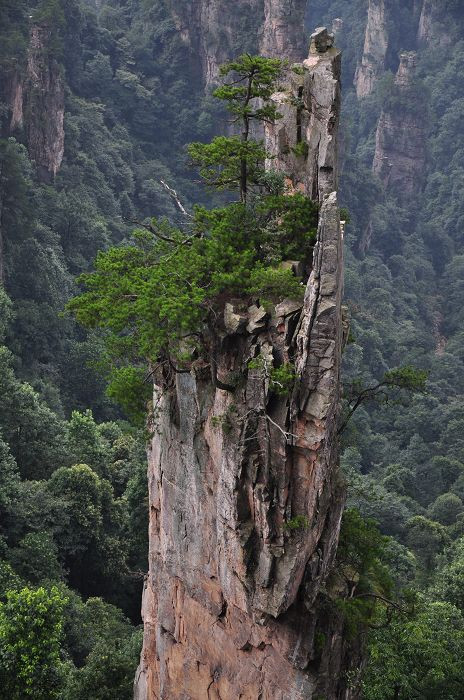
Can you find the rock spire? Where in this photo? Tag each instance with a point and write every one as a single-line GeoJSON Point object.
{"type": "Point", "coordinates": [231, 603]}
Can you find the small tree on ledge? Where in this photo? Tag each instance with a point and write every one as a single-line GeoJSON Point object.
{"type": "Point", "coordinates": [235, 162]}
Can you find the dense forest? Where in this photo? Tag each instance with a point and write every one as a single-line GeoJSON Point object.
{"type": "Point", "coordinates": [124, 97]}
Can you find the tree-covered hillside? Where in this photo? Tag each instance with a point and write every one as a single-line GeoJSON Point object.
{"type": "Point", "coordinates": [73, 502]}
{"type": "Point", "coordinates": [405, 463]}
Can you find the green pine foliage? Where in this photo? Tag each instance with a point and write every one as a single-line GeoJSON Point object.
{"type": "Point", "coordinates": [158, 299]}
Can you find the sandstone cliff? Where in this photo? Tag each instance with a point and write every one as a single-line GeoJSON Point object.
{"type": "Point", "coordinates": [217, 30]}
{"type": "Point", "coordinates": [232, 603]}
{"type": "Point", "coordinates": [372, 62]}
{"type": "Point", "coordinates": [36, 101]}
{"type": "Point", "coordinates": [400, 155]}
{"type": "Point", "coordinates": [430, 28]}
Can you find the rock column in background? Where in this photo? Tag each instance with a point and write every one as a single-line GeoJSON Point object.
{"type": "Point", "coordinates": [36, 101]}
{"type": "Point", "coordinates": [399, 159]}
{"type": "Point", "coordinates": [372, 62]}
{"type": "Point", "coordinates": [231, 605]}
{"type": "Point", "coordinates": [216, 30]}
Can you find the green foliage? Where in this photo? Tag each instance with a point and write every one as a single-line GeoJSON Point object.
{"type": "Point", "coordinates": [297, 224]}
{"type": "Point", "coordinates": [301, 149]}
{"type": "Point", "coordinates": [31, 628]}
{"type": "Point", "coordinates": [426, 539]}
{"type": "Point", "coordinates": [130, 387]}
{"type": "Point", "coordinates": [446, 508]}
{"type": "Point", "coordinates": [282, 379]}
{"type": "Point", "coordinates": [408, 377]}
{"type": "Point", "coordinates": [361, 561]}
{"type": "Point", "coordinates": [155, 298]}
{"type": "Point", "coordinates": [220, 161]}
{"type": "Point", "coordinates": [418, 657]}
{"type": "Point", "coordinates": [35, 558]}
{"type": "Point", "coordinates": [299, 522]}
{"type": "Point", "coordinates": [237, 163]}
{"type": "Point", "coordinates": [88, 528]}
{"type": "Point", "coordinates": [108, 672]}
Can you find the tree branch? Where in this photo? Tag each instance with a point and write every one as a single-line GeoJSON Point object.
{"type": "Point", "coordinates": [175, 197]}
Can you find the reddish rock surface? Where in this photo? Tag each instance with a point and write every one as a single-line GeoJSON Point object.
{"type": "Point", "coordinates": [232, 603]}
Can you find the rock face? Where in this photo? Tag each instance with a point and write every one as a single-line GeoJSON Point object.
{"type": "Point", "coordinates": [44, 95]}
{"type": "Point", "coordinates": [303, 144]}
{"type": "Point", "coordinates": [245, 492]}
{"type": "Point", "coordinates": [399, 159]}
{"type": "Point", "coordinates": [372, 62]}
{"type": "Point", "coordinates": [282, 34]}
{"type": "Point", "coordinates": [36, 102]}
{"type": "Point", "coordinates": [215, 30]}
{"type": "Point", "coordinates": [430, 29]}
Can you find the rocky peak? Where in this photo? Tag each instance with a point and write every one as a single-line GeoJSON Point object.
{"type": "Point", "coordinates": [400, 157]}
{"type": "Point", "coordinates": [321, 41]}
{"type": "Point", "coordinates": [304, 143]}
{"type": "Point", "coordinates": [406, 69]}
{"type": "Point", "coordinates": [372, 62]}
{"type": "Point", "coordinates": [245, 492]}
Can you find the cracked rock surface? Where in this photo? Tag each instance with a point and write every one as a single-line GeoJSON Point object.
{"type": "Point", "coordinates": [231, 605]}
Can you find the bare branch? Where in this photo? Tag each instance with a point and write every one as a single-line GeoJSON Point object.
{"type": "Point", "coordinates": [175, 197]}
{"type": "Point", "coordinates": [286, 434]}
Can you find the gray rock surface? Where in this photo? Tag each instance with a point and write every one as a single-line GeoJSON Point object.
{"type": "Point", "coordinates": [376, 40]}
{"type": "Point", "coordinates": [400, 156]}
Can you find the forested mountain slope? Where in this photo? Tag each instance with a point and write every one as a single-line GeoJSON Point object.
{"type": "Point", "coordinates": [97, 102]}
{"type": "Point", "coordinates": [402, 183]}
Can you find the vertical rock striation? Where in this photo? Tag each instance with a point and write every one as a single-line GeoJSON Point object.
{"type": "Point", "coordinates": [216, 30]}
{"type": "Point", "coordinates": [303, 144]}
{"type": "Point", "coordinates": [44, 105]}
{"type": "Point", "coordinates": [231, 605]}
{"type": "Point", "coordinates": [400, 155]}
{"type": "Point", "coordinates": [282, 34]}
{"type": "Point", "coordinates": [36, 102]}
{"type": "Point", "coordinates": [431, 28]}
{"type": "Point", "coordinates": [372, 62]}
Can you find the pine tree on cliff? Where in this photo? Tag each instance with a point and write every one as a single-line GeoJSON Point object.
{"type": "Point", "coordinates": [158, 299]}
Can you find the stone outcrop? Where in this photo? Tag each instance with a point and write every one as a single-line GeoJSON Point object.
{"type": "Point", "coordinates": [36, 101]}
{"type": "Point", "coordinates": [281, 33]}
{"type": "Point", "coordinates": [245, 492]}
{"type": "Point", "coordinates": [431, 29]}
{"type": "Point", "coordinates": [217, 30]}
{"type": "Point", "coordinates": [44, 105]}
{"type": "Point", "coordinates": [400, 155]}
{"type": "Point", "coordinates": [303, 144]}
{"type": "Point", "coordinates": [374, 54]}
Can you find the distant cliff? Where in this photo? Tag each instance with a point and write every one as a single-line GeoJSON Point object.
{"type": "Point", "coordinates": [372, 62]}
{"type": "Point", "coordinates": [35, 97]}
{"type": "Point", "coordinates": [217, 30]}
{"type": "Point", "coordinates": [400, 153]}
{"type": "Point", "coordinates": [389, 30]}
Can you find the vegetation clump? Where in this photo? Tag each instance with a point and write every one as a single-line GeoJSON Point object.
{"type": "Point", "coordinates": [158, 299]}
{"type": "Point", "coordinates": [299, 522]}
